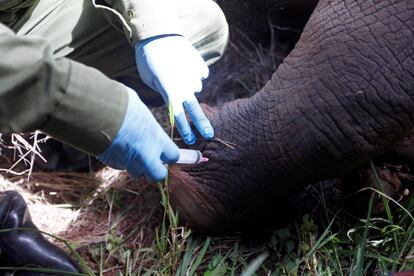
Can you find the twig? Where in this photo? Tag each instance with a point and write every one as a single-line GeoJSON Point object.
{"type": "Point", "coordinates": [226, 143]}
{"type": "Point", "coordinates": [13, 172]}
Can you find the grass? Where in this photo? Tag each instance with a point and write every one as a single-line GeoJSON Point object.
{"type": "Point", "coordinates": [373, 246]}
{"type": "Point", "coordinates": [317, 243]}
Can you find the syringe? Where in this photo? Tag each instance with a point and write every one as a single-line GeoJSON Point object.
{"type": "Point", "coordinates": [188, 156]}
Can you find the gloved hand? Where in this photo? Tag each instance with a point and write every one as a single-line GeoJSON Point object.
{"type": "Point", "coordinates": [141, 145]}
{"type": "Point", "coordinates": [174, 68]}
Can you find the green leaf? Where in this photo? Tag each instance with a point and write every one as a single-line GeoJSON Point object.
{"type": "Point", "coordinates": [284, 234]}
{"type": "Point", "coordinates": [290, 245]}
{"type": "Point", "coordinates": [200, 257]}
{"type": "Point", "coordinates": [171, 114]}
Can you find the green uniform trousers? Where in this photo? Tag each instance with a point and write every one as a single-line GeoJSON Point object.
{"type": "Point", "coordinates": [77, 31]}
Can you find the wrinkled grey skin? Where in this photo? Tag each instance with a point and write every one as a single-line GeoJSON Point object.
{"type": "Point", "coordinates": [344, 95]}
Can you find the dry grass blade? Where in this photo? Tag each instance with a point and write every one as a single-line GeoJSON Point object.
{"type": "Point", "coordinates": [389, 198]}
{"type": "Point", "coordinates": [27, 152]}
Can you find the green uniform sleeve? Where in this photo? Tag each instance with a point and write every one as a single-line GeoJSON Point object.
{"type": "Point", "coordinates": [71, 102]}
{"type": "Point", "coordinates": [141, 19]}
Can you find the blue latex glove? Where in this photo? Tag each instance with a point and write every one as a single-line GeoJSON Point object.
{"type": "Point", "coordinates": [174, 68]}
{"type": "Point", "coordinates": [141, 145]}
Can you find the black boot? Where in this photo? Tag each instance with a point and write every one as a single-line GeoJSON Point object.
{"type": "Point", "coordinates": [27, 248]}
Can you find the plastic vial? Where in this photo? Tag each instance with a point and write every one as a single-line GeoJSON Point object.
{"type": "Point", "coordinates": [188, 156]}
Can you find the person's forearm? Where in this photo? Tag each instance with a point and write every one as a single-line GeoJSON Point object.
{"type": "Point", "coordinates": [72, 102]}
{"type": "Point", "coordinates": [91, 111]}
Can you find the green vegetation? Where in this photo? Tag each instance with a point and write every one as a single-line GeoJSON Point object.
{"type": "Point", "coordinates": [320, 243]}
{"type": "Point", "coordinates": [371, 246]}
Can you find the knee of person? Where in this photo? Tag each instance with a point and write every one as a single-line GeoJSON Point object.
{"type": "Point", "coordinates": [214, 19]}
{"type": "Point", "coordinates": [206, 27]}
